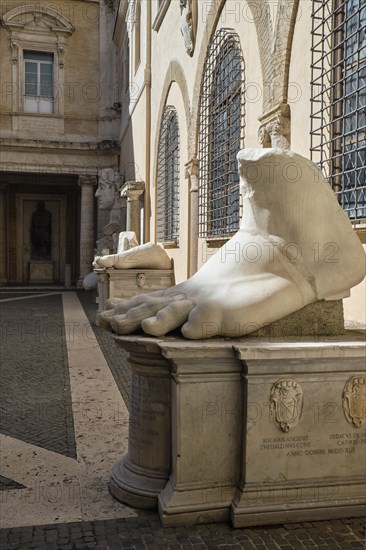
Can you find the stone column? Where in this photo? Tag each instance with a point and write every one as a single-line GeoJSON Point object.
{"type": "Point", "coordinates": [103, 289]}
{"type": "Point", "coordinates": [140, 476]}
{"type": "Point", "coordinates": [133, 191]}
{"type": "Point", "coordinates": [86, 226]}
{"type": "Point", "coordinates": [3, 234]}
{"type": "Point", "coordinates": [192, 171]}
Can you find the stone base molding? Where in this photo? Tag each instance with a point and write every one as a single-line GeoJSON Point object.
{"type": "Point", "coordinates": [253, 430]}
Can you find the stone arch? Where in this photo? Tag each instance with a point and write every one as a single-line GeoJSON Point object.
{"type": "Point", "coordinates": [274, 43]}
{"type": "Point", "coordinates": [284, 34]}
{"type": "Point", "coordinates": [175, 73]}
{"type": "Point", "coordinates": [261, 24]}
{"type": "Point", "coordinates": [275, 129]}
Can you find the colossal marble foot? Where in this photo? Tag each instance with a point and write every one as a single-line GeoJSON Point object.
{"type": "Point", "coordinates": [295, 246]}
{"type": "Point", "coordinates": [144, 256]}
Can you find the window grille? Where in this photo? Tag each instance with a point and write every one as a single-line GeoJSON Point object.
{"type": "Point", "coordinates": [221, 136]}
{"type": "Point", "coordinates": [168, 178]}
{"type": "Point", "coordinates": [338, 118]}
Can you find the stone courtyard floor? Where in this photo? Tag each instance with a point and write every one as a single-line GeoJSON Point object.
{"type": "Point", "coordinates": [64, 398]}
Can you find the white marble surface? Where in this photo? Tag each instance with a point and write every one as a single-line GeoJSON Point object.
{"type": "Point", "coordinates": [295, 246]}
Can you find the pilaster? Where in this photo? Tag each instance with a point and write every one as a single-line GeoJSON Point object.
{"type": "Point", "coordinates": [192, 173]}
{"type": "Point", "coordinates": [3, 233]}
{"type": "Point", "coordinates": [87, 184]}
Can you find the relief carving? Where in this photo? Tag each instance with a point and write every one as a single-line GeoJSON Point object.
{"type": "Point", "coordinates": [275, 128]}
{"type": "Point", "coordinates": [354, 400]}
{"type": "Point", "coordinates": [286, 403]}
{"type": "Point", "coordinates": [187, 25]}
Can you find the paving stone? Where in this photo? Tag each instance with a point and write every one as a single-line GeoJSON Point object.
{"type": "Point", "coordinates": [143, 532]}
{"type": "Point", "coordinates": [115, 356]}
{"type": "Point", "coordinates": [35, 389]}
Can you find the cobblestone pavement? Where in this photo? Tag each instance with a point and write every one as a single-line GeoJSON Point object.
{"type": "Point", "coordinates": [35, 389]}
{"type": "Point", "coordinates": [144, 531]}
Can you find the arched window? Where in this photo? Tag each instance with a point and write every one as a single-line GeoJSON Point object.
{"type": "Point", "coordinates": [221, 135]}
{"type": "Point", "coordinates": [338, 121]}
{"type": "Point", "coordinates": [137, 32]}
{"type": "Point", "coordinates": [168, 178]}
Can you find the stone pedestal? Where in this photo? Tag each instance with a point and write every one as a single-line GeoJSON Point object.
{"type": "Point", "coordinates": [41, 271]}
{"type": "Point", "coordinates": [125, 283]}
{"type": "Point", "coordinates": [263, 430]}
{"type": "Point", "coordinates": [143, 473]}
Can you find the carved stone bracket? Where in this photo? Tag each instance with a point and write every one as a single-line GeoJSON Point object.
{"type": "Point", "coordinates": [354, 400]}
{"type": "Point", "coordinates": [192, 173]}
{"type": "Point", "coordinates": [188, 24]}
{"type": "Point", "coordinates": [286, 403]}
{"type": "Point", "coordinates": [61, 50]}
{"type": "Point", "coordinates": [275, 128]}
{"type": "Point", "coordinates": [14, 50]}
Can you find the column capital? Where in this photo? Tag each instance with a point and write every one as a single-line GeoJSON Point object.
{"type": "Point", "coordinates": [275, 128]}
{"type": "Point", "coordinates": [132, 190]}
{"type": "Point", "coordinates": [191, 174]}
{"type": "Point", "coordinates": [87, 179]}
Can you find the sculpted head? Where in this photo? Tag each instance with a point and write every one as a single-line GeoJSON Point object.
{"type": "Point", "coordinates": [140, 280]}
{"type": "Point", "coordinates": [109, 182]}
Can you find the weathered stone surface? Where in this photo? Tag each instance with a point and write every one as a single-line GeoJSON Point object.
{"type": "Point", "coordinates": [321, 318]}
{"type": "Point", "coordinates": [41, 271]}
{"type": "Point", "coordinates": [263, 430]}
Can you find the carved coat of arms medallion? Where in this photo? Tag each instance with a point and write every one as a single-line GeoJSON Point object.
{"type": "Point", "coordinates": [286, 403]}
{"type": "Point", "coordinates": [354, 400]}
